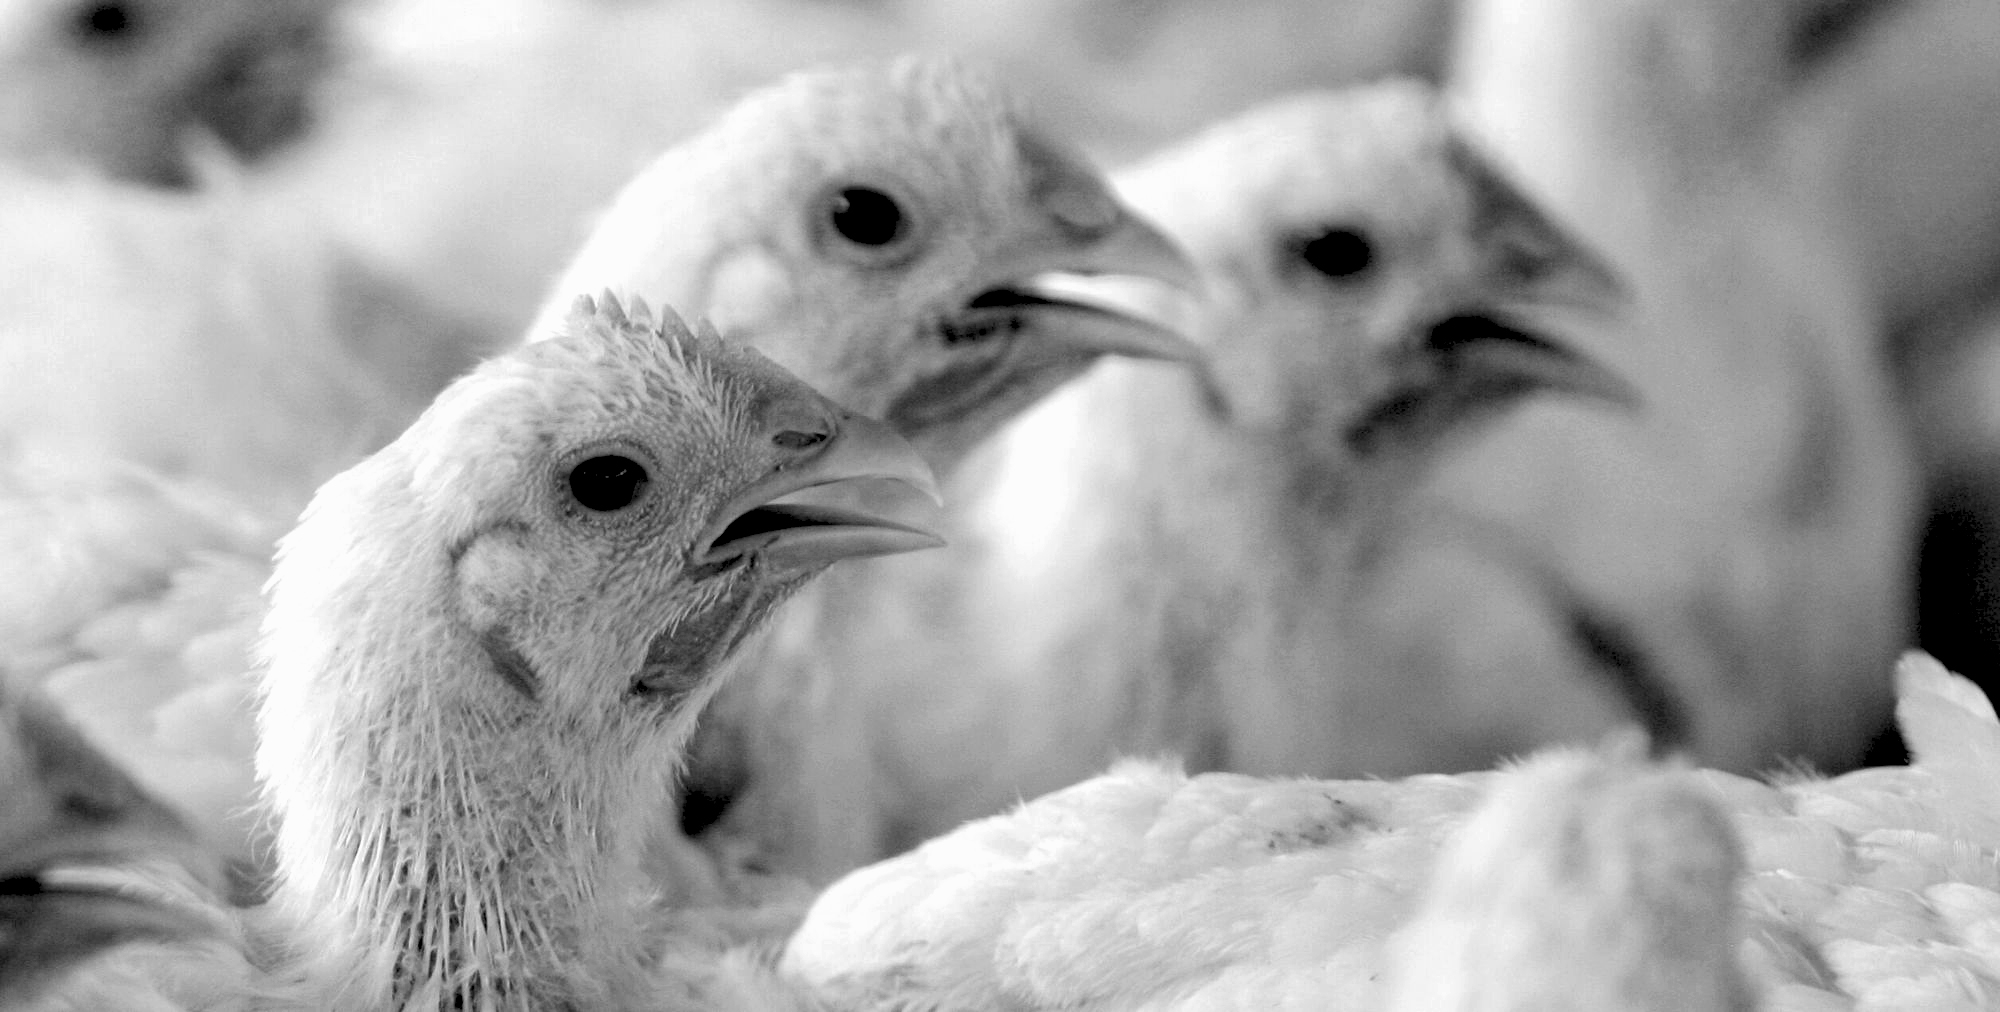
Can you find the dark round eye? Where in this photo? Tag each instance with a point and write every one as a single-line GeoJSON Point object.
{"type": "Point", "coordinates": [867, 217]}
{"type": "Point", "coordinates": [104, 22]}
{"type": "Point", "coordinates": [608, 483]}
{"type": "Point", "coordinates": [1338, 252]}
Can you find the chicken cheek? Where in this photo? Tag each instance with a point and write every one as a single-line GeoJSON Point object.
{"type": "Point", "coordinates": [496, 581]}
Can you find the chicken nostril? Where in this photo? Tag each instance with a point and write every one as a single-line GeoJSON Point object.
{"type": "Point", "coordinates": [793, 439]}
{"type": "Point", "coordinates": [800, 426]}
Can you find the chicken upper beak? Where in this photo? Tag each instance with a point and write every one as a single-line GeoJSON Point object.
{"type": "Point", "coordinates": [798, 534]}
{"type": "Point", "coordinates": [1083, 230]}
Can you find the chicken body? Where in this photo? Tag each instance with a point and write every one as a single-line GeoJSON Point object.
{"type": "Point", "coordinates": [1727, 215]}
{"type": "Point", "coordinates": [177, 374]}
{"type": "Point", "coordinates": [485, 647]}
{"type": "Point", "coordinates": [1902, 95]}
{"type": "Point", "coordinates": [1573, 880]}
{"type": "Point", "coordinates": [203, 335]}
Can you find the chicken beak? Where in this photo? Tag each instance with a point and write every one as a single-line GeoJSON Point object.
{"type": "Point", "coordinates": [858, 483]}
{"type": "Point", "coordinates": [1083, 230]}
{"type": "Point", "coordinates": [1073, 301]}
{"type": "Point", "coordinates": [1531, 363]}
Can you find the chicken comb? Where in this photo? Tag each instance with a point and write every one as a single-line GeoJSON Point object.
{"type": "Point", "coordinates": [629, 313]}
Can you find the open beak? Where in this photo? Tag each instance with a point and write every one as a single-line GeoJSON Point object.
{"type": "Point", "coordinates": [861, 456]}
{"type": "Point", "coordinates": [1084, 232]}
{"type": "Point", "coordinates": [1496, 347]}
{"type": "Point", "coordinates": [1472, 361]}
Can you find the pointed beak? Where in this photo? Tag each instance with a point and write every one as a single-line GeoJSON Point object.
{"type": "Point", "coordinates": [1083, 231]}
{"type": "Point", "coordinates": [867, 467]}
{"type": "Point", "coordinates": [1512, 354]}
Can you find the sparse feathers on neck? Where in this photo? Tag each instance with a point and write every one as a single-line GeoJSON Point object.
{"type": "Point", "coordinates": [444, 837]}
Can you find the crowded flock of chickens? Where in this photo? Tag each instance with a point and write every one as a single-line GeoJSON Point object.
{"type": "Point", "coordinates": [1389, 505]}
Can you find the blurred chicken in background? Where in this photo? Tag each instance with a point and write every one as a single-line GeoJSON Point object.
{"type": "Point", "coordinates": [466, 155]}
{"type": "Point", "coordinates": [1449, 493]}
{"type": "Point", "coordinates": [198, 334]}
{"type": "Point", "coordinates": [1909, 94]}
{"type": "Point", "coordinates": [451, 166]}
{"type": "Point", "coordinates": [1689, 142]}
{"type": "Point", "coordinates": [1132, 77]}
{"type": "Point", "coordinates": [136, 88]}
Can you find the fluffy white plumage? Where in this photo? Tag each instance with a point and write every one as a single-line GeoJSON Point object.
{"type": "Point", "coordinates": [178, 371]}
{"type": "Point", "coordinates": [67, 815]}
{"type": "Point", "coordinates": [1573, 880]}
{"type": "Point", "coordinates": [133, 610]}
{"type": "Point", "coordinates": [202, 333]}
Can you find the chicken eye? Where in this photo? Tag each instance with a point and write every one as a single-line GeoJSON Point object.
{"type": "Point", "coordinates": [1340, 253]}
{"type": "Point", "coordinates": [867, 217]}
{"type": "Point", "coordinates": [607, 483]}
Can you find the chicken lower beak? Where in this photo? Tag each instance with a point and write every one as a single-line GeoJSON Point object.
{"type": "Point", "coordinates": [796, 534]}
{"type": "Point", "coordinates": [1075, 317]}
{"type": "Point", "coordinates": [1530, 363]}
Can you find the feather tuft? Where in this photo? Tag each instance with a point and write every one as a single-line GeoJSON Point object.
{"type": "Point", "coordinates": [1954, 736]}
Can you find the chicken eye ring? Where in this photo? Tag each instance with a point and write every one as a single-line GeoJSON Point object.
{"type": "Point", "coordinates": [606, 483]}
{"type": "Point", "coordinates": [873, 223]}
